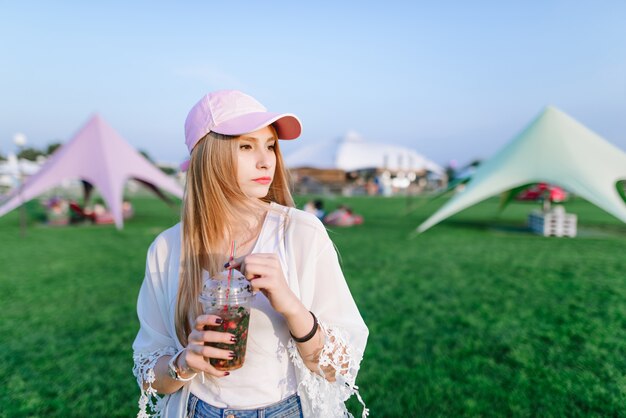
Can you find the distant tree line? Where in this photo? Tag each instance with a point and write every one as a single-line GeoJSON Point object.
{"type": "Point", "coordinates": [453, 172]}
{"type": "Point", "coordinates": [32, 153]}
{"type": "Point", "coordinates": [167, 170]}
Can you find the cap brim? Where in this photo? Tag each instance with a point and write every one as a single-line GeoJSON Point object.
{"type": "Point", "coordinates": [287, 125]}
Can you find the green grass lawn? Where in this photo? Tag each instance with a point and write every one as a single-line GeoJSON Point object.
{"type": "Point", "coordinates": [475, 317]}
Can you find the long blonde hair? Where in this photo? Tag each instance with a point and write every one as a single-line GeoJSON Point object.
{"type": "Point", "coordinates": [212, 204]}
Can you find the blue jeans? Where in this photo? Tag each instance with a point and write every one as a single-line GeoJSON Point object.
{"type": "Point", "coordinates": [287, 408]}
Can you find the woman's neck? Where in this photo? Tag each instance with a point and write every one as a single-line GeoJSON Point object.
{"type": "Point", "coordinates": [248, 229]}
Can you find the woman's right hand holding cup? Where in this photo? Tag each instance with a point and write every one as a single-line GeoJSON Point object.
{"type": "Point", "coordinates": [197, 353]}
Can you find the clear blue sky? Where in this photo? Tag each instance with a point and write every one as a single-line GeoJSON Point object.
{"type": "Point", "coordinates": [453, 80]}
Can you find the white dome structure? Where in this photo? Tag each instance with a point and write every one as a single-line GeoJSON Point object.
{"type": "Point", "coordinates": [351, 152]}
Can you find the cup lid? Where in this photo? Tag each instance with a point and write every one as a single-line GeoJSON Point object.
{"type": "Point", "coordinates": [218, 287]}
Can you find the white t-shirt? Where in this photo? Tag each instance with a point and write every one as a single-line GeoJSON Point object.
{"type": "Point", "coordinates": [267, 375]}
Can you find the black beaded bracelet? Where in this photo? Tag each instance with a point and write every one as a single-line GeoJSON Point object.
{"type": "Point", "coordinates": [310, 334]}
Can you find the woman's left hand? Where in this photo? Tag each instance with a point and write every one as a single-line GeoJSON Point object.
{"type": "Point", "coordinates": [265, 273]}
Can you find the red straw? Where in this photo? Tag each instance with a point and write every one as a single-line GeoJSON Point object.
{"type": "Point", "coordinates": [230, 271]}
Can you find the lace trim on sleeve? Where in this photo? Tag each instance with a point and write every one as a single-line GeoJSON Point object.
{"type": "Point", "coordinates": [327, 398]}
{"type": "Point", "coordinates": [150, 404]}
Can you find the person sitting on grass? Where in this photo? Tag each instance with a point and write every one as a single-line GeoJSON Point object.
{"type": "Point", "coordinates": [343, 216]}
{"type": "Point", "coordinates": [316, 207]}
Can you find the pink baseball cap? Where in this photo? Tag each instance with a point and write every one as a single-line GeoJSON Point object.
{"type": "Point", "coordinates": [231, 112]}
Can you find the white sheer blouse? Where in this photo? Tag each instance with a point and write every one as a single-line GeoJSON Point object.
{"type": "Point", "coordinates": [311, 267]}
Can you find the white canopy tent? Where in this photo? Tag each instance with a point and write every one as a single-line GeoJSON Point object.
{"type": "Point", "coordinates": [556, 149]}
{"type": "Point", "coordinates": [351, 152]}
{"type": "Point", "coordinates": [12, 169]}
{"type": "Point", "coordinates": [18, 167]}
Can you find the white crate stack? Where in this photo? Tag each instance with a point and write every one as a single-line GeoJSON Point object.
{"type": "Point", "coordinates": [554, 222]}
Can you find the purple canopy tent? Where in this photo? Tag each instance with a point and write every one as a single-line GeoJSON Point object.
{"type": "Point", "coordinates": [102, 158]}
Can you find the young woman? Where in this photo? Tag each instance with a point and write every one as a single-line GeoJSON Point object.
{"type": "Point", "coordinates": [306, 337]}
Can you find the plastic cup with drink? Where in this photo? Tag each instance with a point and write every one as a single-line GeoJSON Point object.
{"type": "Point", "coordinates": [229, 296]}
